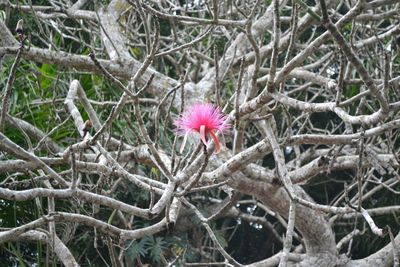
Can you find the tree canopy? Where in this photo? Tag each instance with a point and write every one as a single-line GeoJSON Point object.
{"type": "Point", "coordinates": [199, 133]}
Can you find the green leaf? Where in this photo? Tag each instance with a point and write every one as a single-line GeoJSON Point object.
{"type": "Point", "coordinates": [157, 249]}
{"type": "Point", "coordinates": [352, 90]}
{"type": "Point", "coordinates": [48, 73]}
{"type": "Point", "coordinates": [139, 249]}
{"type": "Point", "coordinates": [221, 239]}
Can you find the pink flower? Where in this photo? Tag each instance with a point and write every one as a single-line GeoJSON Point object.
{"type": "Point", "coordinates": [205, 119]}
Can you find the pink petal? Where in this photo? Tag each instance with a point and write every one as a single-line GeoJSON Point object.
{"type": "Point", "coordinates": [203, 134]}
{"type": "Point", "coordinates": [216, 142]}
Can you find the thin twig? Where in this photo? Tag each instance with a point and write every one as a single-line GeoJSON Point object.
{"type": "Point", "coordinates": [6, 98]}
{"type": "Point", "coordinates": [203, 221]}
{"type": "Point", "coordinates": [275, 50]}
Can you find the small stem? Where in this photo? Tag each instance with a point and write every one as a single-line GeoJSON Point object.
{"type": "Point", "coordinates": [6, 99]}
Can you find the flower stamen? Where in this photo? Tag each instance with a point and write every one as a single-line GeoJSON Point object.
{"type": "Point", "coordinates": [203, 134]}
{"type": "Point", "coordinates": [216, 142]}
{"type": "Point", "coordinates": [204, 119]}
